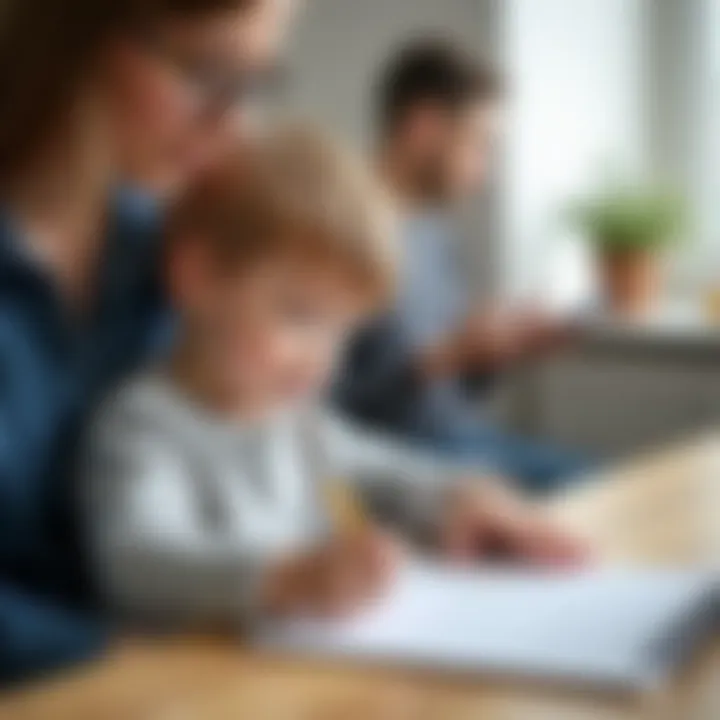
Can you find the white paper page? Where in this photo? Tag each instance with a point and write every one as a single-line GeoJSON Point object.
{"type": "Point", "coordinates": [602, 626]}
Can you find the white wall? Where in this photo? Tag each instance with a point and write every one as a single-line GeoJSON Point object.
{"type": "Point", "coordinates": [579, 102]}
{"type": "Point", "coordinates": [685, 109]}
{"type": "Point", "coordinates": [342, 44]}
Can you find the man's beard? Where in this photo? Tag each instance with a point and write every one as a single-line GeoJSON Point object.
{"type": "Point", "coordinates": [431, 183]}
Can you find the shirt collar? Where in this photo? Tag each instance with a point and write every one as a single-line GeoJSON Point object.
{"type": "Point", "coordinates": [133, 215]}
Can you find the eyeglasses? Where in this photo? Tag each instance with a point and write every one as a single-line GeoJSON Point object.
{"type": "Point", "coordinates": [218, 90]}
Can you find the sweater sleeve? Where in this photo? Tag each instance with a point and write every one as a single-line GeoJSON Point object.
{"type": "Point", "coordinates": [402, 485]}
{"type": "Point", "coordinates": [156, 552]}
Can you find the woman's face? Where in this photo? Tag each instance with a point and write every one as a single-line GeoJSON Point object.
{"type": "Point", "coordinates": [175, 93]}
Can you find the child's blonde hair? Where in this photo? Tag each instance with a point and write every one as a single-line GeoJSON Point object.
{"type": "Point", "coordinates": [293, 192]}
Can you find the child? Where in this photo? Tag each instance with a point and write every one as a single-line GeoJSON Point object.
{"type": "Point", "coordinates": [210, 482]}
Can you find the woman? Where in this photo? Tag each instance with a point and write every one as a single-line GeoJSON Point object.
{"type": "Point", "coordinates": [92, 92]}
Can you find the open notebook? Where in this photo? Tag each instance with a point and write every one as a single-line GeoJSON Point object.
{"type": "Point", "coordinates": [619, 627]}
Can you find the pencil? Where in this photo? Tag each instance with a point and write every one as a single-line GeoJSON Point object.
{"type": "Point", "coordinates": [344, 507]}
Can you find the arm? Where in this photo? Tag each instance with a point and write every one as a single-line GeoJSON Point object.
{"type": "Point", "coordinates": [158, 557]}
{"type": "Point", "coordinates": [153, 546]}
{"type": "Point", "coordinates": [466, 512]}
{"type": "Point", "coordinates": [37, 634]}
{"type": "Point", "coordinates": [401, 484]}
{"type": "Point", "coordinates": [386, 383]}
{"type": "Point", "coordinates": [382, 384]}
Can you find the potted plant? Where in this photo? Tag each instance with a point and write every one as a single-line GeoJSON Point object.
{"type": "Point", "coordinates": [630, 228]}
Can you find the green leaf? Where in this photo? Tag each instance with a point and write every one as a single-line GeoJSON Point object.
{"type": "Point", "coordinates": [630, 218]}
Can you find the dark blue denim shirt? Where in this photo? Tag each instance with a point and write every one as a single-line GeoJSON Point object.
{"type": "Point", "coordinates": [54, 367]}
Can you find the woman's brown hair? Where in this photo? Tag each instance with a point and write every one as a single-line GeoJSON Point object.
{"type": "Point", "coordinates": [46, 48]}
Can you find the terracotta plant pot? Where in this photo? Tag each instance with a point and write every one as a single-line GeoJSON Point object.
{"type": "Point", "coordinates": [632, 281]}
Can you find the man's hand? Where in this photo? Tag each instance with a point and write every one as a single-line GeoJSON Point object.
{"type": "Point", "coordinates": [337, 580]}
{"type": "Point", "coordinates": [488, 521]}
{"type": "Point", "coordinates": [543, 334]}
{"type": "Point", "coordinates": [486, 342]}
{"type": "Point", "coordinates": [500, 338]}
{"type": "Point", "coordinates": [495, 340]}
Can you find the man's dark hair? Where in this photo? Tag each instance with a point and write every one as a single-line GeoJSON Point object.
{"type": "Point", "coordinates": [432, 71]}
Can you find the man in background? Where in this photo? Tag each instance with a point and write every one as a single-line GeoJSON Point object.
{"type": "Point", "coordinates": [421, 371]}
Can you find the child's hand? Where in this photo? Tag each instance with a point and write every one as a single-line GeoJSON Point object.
{"type": "Point", "coordinates": [484, 520]}
{"type": "Point", "coordinates": [336, 580]}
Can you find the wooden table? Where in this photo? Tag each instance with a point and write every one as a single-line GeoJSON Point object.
{"type": "Point", "coordinates": [663, 509]}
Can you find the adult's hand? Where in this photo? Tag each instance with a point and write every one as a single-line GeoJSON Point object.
{"type": "Point", "coordinates": [499, 338]}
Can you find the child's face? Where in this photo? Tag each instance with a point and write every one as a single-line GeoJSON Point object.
{"type": "Point", "coordinates": [273, 336]}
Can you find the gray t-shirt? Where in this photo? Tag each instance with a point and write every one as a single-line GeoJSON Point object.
{"type": "Point", "coordinates": [380, 384]}
{"type": "Point", "coordinates": [186, 511]}
{"type": "Point", "coordinates": [434, 294]}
